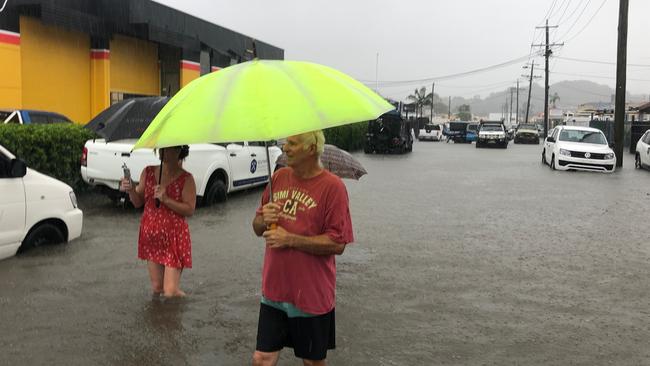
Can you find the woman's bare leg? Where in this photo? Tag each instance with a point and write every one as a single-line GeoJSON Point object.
{"type": "Point", "coordinates": [156, 274]}
{"type": "Point", "coordinates": [171, 284]}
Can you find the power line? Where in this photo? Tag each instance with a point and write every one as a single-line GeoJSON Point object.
{"type": "Point", "coordinates": [577, 19]}
{"type": "Point", "coordinates": [385, 83]}
{"type": "Point", "coordinates": [588, 22]}
{"type": "Point", "coordinates": [599, 62]}
{"type": "Point", "coordinates": [595, 76]}
{"type": "Point", "coordinates": [564, 12]}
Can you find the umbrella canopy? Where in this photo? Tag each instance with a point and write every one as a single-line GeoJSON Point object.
{"type": "Point", "coordinates": [261, 100]}
{"type": "Point", "coordinates": [127, 119]}
{"type": "Point", "coordinates": [337, 161]}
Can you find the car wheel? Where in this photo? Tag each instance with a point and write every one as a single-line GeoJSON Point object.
{"type": "Point", "coordinates": [215, 193]}
{"type": "Point", "coordinates": [553, 162]}
{"type": "Point", "coordinates": [637, 161]}
{"type": "Point", "coordinates": [544, 157]}
{"type": "Point", "coordinates": [44, 233]}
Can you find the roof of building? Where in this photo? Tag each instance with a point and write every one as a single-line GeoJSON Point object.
{"type": "Point", "coordinates": [142, 19]}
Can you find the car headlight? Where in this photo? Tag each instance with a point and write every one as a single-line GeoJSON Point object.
{"type": "Point", "coordinates": [73, 198]}
{"type": "Point", "coordinates": [565, 152]}
{"type": "Point", "coordinates": [609, 156]}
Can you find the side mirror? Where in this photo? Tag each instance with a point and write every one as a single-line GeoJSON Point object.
{"type": "Point", "coordinates": [550, 139]}
{"type": "Point", "coordinates": [18, 168]}
{"type": "Point", "coordinates": [235, 147]}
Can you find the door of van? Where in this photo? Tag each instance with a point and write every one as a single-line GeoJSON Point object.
{"type": "Point", "coordinates": [12, 207]}
{"type": "Point", "coordinates": [240, 164]}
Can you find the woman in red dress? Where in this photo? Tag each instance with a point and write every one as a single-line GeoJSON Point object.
{"type": "Point", "coordinates": [164, 240]}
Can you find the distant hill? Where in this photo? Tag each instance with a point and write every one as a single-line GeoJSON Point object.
{"type": "Point", "coordinates": [571, 93]}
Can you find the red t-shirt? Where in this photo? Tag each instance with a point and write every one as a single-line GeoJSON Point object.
{"type": "Point", "coordinates": [309, 207]}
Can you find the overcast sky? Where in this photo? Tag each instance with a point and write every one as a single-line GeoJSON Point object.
{"type": "Point", "coordinates": [419, 40]}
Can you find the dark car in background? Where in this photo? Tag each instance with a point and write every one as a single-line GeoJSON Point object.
{"type": "Point", "coordinates": [456, 131]}
{"type": "Point", "coordinates": [526, 134]}
{"type": "Point", "coordinates": [389, 133]}
{"type": "Point", "coordinates": [26, 117]}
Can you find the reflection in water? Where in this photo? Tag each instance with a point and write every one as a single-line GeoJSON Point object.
{"type": "Point", "coordinates": [156, 335]}
{"type": "Point", "coordinates": [164, 314]}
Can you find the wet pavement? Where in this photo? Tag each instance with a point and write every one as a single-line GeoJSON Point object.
{"type": "Point", "coordinates": [463, 256]}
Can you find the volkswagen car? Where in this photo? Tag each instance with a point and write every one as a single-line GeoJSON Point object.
{"type": "Point", "coordinates": [578, 148]}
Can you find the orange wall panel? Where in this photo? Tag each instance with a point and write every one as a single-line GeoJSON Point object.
{"type": "Point", "coordinates": [10, 75]}
{"type": "Point", "coordinates": [55, 69]}
{"type": "Point", "coordinates": [134, 66]}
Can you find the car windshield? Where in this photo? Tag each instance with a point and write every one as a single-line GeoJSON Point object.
{"type": "Point", "coordinates": [491, 128]}
{"type": "Point", "coordinates": [472, 127]}
{"type": "Point", "coordinates": [432, 128]}
{"type": "Point", "coordinates": [588, 137]}
{"type": "Point", "coordinates": [527, 127]}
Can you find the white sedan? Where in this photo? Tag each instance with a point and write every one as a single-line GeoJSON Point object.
{"type": "Point", "coordinates": [642, 156]}
{"type": "Point", "coordinates": [578, 148]}
{"type": "Point", "coordinates": [35, 209]}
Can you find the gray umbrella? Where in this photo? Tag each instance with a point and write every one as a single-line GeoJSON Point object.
{"type": "Point", "coordinates": [337, 161]}
{"type": "Point", "coordinates": [127, 119]}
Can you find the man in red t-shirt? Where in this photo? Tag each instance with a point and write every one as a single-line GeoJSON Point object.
{"type": "Point", "coordinates": [306, 223]}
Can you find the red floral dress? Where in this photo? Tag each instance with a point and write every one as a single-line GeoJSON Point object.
{"type": "Point", "coordinates": [164, 234]}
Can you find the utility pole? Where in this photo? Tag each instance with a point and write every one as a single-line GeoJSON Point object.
{"type": "Point", "coordinates": [517, 118]}
{"type": "Point", "coordinates": [547, 54]}
{"type": "Point", "coordinates": [377, 74]}
{"type": "Point", "coordinates": [449, 112]}
{"type": "Point", "coordinates": [433, 87]}
{"type": "Point", "coordinates": [530, 87]}
{"type": "Point", "coordinates": [510, 115]}
{"type": "Point", "coordinates": [621, 71]}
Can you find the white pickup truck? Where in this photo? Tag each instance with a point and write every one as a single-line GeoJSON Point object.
{"type": "Point", "coordinates": [218, 169]}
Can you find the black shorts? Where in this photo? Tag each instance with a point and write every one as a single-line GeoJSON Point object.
{"type": "Point", "coordinates": [310, 337]}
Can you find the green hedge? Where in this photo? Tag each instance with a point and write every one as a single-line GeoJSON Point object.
{"type": "Point", "coordinates": [348, 137]}
{"type": "Point", "coordinates": [53, 149]}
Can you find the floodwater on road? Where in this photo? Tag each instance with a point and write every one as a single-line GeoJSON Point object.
{"type": "Point", "coordinates": [462, 256]}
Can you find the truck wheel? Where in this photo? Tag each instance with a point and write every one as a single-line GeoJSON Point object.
{"type": "Point", "coordinates": [215, 193]}
{"type": "Point", "coordinates": [44, 233]}
{"type": "Point", "coordinates": [553, 162]}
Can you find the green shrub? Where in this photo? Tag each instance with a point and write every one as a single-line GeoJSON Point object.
{"type": "Point", "coordinates": [348, 137]}
{"type": "Point", "coordinates": [53, 149]}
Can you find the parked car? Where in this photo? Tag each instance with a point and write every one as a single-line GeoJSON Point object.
{"type": "Point", "coordinates": [578, 148]}
{"type": "Point", "coordinates": [526, 133]}
{"type": "Point", "coordinates": [492, 133]}
{"type": "Point", "coordinates": [25, 117]}
{"type": "Point", "coordinates": [456, 131]}
{"type": "Point", "coordinates": [430, 132]}
{"type": "Point", "coordinates": [389, 133]}
{"type": "Point", "coordinates": [34, 209]}
{"type": "Point", "coordinates": [642, 155]}
{"type": "Point", "coordinates": [218, 169]}
{"type": "Point", "coordinates": [471, 134]}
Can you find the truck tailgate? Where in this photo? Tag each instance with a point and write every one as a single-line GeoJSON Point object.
{"type": "Point", "coordinates": [104, 162]}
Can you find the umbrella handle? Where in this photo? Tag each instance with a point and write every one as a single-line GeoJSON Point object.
{"type": "Point", "coordinates": [162, 155]}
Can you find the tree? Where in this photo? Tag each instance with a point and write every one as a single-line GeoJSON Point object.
{"type": "Point", "coordinates": [464, 113]}
{"type": "Point", "coordinates": [554, 99]}
{"type": "Point", "coordinates": [420, 98]}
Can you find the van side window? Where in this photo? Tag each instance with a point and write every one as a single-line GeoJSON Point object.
{"type": "Point", "coordinates": [5, 165]}
{"type": "Point", "coordinates": [13, 118]}
{"type": "Point", "coordinates": [38, 118]}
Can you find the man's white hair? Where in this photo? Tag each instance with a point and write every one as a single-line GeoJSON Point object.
{"type": "Point", "coordinates": [316, 138]}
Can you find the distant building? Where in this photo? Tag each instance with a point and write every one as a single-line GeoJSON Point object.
{"type": "Point", "coordinates": [77, 57]}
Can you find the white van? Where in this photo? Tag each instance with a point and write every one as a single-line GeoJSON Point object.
{"type": "Point", "coordinates": [34, 209]}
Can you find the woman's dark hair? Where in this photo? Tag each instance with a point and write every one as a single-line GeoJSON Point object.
{"type": "Point", "coordinates": [185, 151]}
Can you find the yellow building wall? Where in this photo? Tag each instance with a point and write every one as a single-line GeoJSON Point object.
{"type": "Point", "coordinates": [55, 69]}
{"type": "Point", "coordinates": [10, 78]}
{"type": "Point", "coordinates": [134, 66]}
{"type": "Point", "coordinates": [100, 78]}
{"type": "Point", "coordinates": [189, 71]}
